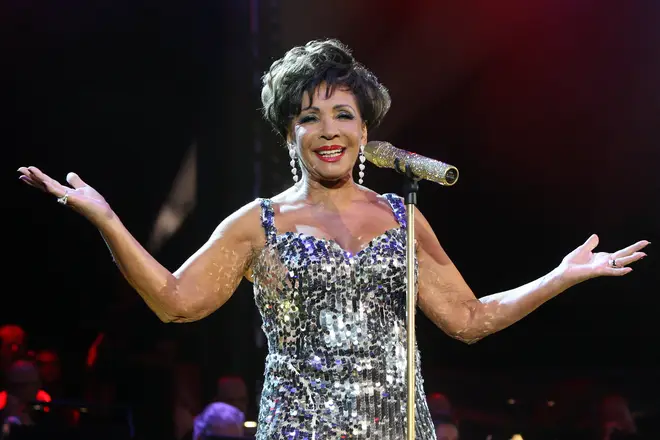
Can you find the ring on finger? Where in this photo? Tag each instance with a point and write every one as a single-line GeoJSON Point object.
{"type": "Point", "coordinates": [64, 199]}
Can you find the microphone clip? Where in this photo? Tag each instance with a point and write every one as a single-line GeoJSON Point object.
{"type": "Point", "coordinates": [410, 183]}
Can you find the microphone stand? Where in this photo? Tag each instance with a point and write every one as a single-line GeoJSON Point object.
{"type": "Point", "coordinates": [410, 189]}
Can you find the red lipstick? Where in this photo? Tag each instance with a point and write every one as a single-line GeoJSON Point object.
{"type": "Point", "coordinates": [330, 153]}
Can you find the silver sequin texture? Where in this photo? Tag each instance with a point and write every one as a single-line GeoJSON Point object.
{"type": "Point", "coordinates": [336, 330]}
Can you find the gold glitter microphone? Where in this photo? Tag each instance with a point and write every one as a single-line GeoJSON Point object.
{"type": "Point", "coordinates": [414, 167]}
{"type": "Point", "coordinates": [385, 155]}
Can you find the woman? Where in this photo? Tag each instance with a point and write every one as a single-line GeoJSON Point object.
{"type": "Point", "coordinates": [327, 259]}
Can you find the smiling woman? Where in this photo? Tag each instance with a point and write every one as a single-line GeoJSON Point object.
{"type": "Point", "coordinates": [327, 132]}
{"type": "Point", "coordinates": [327, 259]}
{"type": "Point", "coordinates": [302, 70]}
{"type": "Point", "coordinates": [313, 93]}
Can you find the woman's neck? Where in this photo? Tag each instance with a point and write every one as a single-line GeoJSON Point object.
{"type": "Point", "coordinates": [336, 195]}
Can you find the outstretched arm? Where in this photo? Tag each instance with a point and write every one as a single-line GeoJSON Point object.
{"type": "Point", "coordinates": [448, 301]}
{"type": "Point", "coordinates": [200, 286]}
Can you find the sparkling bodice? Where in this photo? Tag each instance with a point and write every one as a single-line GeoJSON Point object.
{"type": "Point", "coordinates": [336, 330]}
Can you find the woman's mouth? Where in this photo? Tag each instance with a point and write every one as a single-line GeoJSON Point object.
{"type": "Point", "coordinates": [330, 154]}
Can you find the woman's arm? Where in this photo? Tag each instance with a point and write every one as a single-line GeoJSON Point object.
{"type": "Point", "coordinates": [203, 283]}
{"type": "Point", "coordinates": [448, 301]}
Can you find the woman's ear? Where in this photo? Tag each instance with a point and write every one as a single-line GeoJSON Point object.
{"type": "Point", "coordinates": [363, 139]}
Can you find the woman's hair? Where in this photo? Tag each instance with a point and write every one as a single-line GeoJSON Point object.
{"type": "Point", "coordinates": [303, 68]}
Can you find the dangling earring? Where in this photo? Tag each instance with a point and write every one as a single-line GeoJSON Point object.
{"type": "Point", "coordinates": [361, 166]}
{"type": "Point", "coordinates": [292, 155]}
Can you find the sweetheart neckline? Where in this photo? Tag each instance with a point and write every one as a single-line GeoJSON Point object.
{"type": "Point", "coordinates": [368, 245]}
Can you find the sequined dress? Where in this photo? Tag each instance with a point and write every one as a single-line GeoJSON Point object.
{"type": "Point", "coordinates": [336, 330]}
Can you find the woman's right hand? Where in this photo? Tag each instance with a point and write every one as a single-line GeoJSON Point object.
{"type": "Point", "coordinates": [79, 196]}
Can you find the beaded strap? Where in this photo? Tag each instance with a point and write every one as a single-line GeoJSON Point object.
{"type": "Point", "coordinates": [398, 207]}
{"type": "Point", "coordinates": [267, 215]}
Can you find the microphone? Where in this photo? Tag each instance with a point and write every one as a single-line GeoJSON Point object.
{"type": "Point", "coordinates": [385, 155]}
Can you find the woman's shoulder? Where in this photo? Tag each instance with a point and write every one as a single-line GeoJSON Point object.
{"type": "Point", "coordinates": [249, 210]}
{"type": "Point", "coordinates": [288, 196]}
{"type": "Point", "coordinates": [243, 224]}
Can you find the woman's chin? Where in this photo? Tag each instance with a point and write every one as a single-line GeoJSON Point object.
{"type": "Point", "coordinates": [334, 178]}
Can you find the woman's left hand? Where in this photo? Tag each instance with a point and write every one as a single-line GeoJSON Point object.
{"type": "Point", "coordinates": [583, 264]}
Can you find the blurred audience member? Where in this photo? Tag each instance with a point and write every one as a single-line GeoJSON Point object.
{"type": "Point", "coordinates": [232, 390]}
{"type": "Point", "coordinates": [101, 374]}
{"type": "Point", "coordinates": [573, 399]}
{"type": "Point", "coordinates": [219, 419]}
{"type": "Point", "coordinates": [615, 420]}
{"type": "Point", "coordinates": [446, 428]}
{"type": "Point", "coordinates": [439, 405]}
{"type": "Point", "coordinates": [187, 398]}
{"type": "Point", "coordinates": [50, 372]}
{"type": "Point", "coordinates": [12, 348]}
{"type": "Point", "coordinates": [22, 387]}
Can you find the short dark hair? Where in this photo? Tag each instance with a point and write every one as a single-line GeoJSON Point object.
{"type": "Point", "coordinates": [303, 68]}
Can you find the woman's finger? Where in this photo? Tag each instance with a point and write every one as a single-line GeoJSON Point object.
{"type": "Point", "coordinates": [31, 182]}
{"type": "Point", "coordinates": [630, 249]}
{"type": "Point", "coordinates": [75, 181]}
{"type": "Point", "coordinates": [36, 172]}
{"type": "Point", "coordinates": [617, 272]}
{"type": "Point", "coordinates": [624, 261]}
{"type": "Point", "coordinates": [53, 186]}
{"type": "Point", "coordinates": [25, 171]}
{"type": "Point", "coordinates": [591, 243]}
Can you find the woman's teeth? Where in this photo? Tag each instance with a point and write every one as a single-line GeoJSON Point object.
{"type": "Point", "coordinates": [330, 153]}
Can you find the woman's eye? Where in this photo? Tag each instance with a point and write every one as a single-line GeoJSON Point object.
{"type": "Point", "coordinates": [344, 115]}
{"type": "Point", "coordinates": [307, 118]}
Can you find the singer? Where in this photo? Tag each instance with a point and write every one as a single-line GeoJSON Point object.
{"type": "Point", "coordinates": [327, 260]}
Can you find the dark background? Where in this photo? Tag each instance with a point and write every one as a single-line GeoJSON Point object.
{"type": "Point", "coordinates": [550, 110]}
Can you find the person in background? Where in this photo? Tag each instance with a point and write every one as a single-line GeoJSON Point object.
{"type": "Point", "coordinates": [50, 372]}
{"type": "Point", "coordinates": [22, 387]}
{"type": "Point", "coordinates": [446, 427]}
{"type": "Point", "coordinates": [439, 405]}
{"type": "Point", "coordinates": [233, 390]}
{"type": "Point", "coordinates": [12, 345]}
{"type": "Point", "coordinates": [219, 419]}
{"type": "Point", "coordinates": [615, 420]}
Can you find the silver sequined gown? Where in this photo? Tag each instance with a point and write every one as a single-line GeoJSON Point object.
{"type": "Point", "coordinates": [336, 330]}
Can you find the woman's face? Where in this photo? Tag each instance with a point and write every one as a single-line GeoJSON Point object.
{"type": "Point", "coordinates": [327, 134]}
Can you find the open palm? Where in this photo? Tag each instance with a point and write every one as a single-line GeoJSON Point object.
{"type": "Point", "coordinates": [79, 195]}
{"type": "Point", "coordinates": [583, 264]}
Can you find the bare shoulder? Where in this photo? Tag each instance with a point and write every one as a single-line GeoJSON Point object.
{"type": "Point", "coordinates": [287, 197]}
{"type": "Point", "coordinates": [243, 225]}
